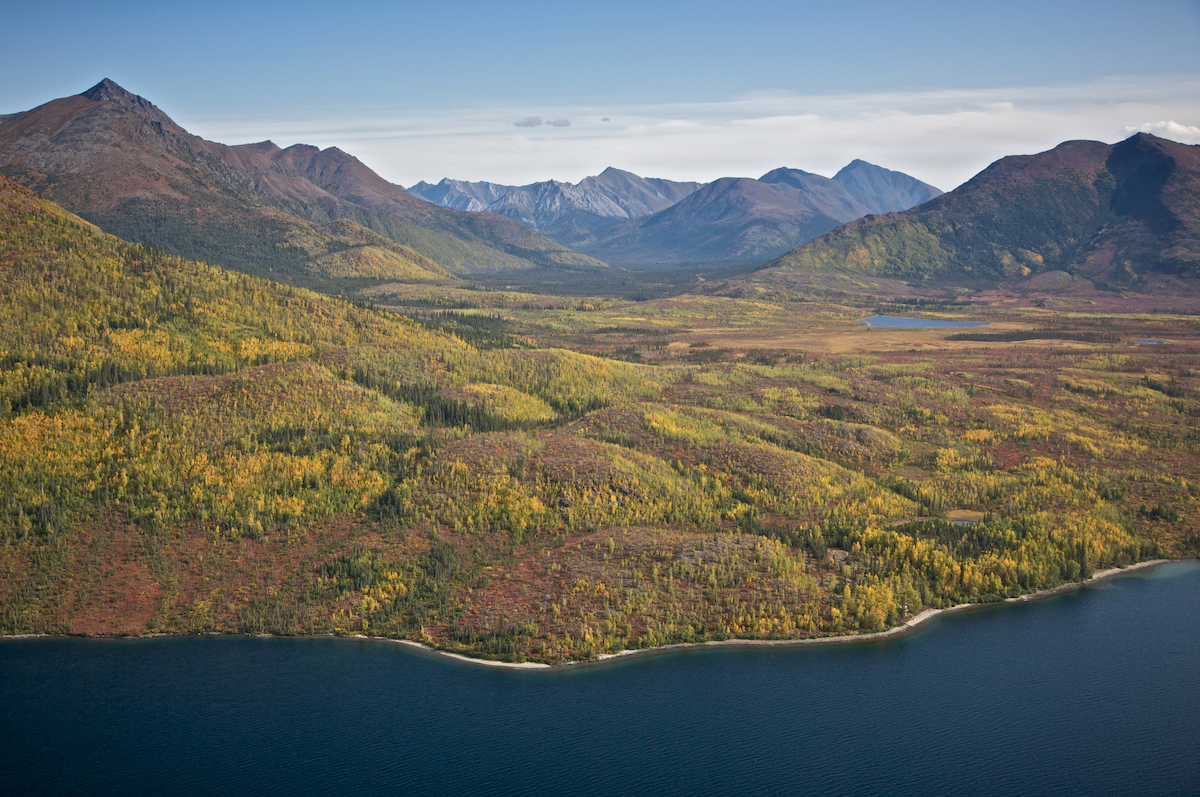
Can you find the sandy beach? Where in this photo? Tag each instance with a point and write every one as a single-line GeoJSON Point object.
{"type": "Point", "coordinates": [522, 665]}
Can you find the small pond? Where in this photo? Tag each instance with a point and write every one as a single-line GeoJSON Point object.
{"type": "Point", "coordinates": [917, 323]}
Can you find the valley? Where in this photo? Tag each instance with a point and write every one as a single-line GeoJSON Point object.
{"type": "Point", "coordinates": [540, 456]}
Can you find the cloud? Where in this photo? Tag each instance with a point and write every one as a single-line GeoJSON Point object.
{"type": "Point", "coordinates": [1184, 134]}
{"type": "Point", "coordinates": [942, 137]}
{"type": "Point", "coordinates": [536, 121]}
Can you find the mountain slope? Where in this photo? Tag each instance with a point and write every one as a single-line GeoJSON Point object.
{"type": "Point", "coordinates": [744, 220]}
{"type": "Point", "coordinates": [119, 161]}
{"type": "Point", "coordinates": [612, 195]}
{"type": "Point", "coordinates": [1110, 213]}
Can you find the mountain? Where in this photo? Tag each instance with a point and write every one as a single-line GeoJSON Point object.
{"type": "Point", "coordinates": [460, 194]}
{"type": "Point", "coordinates": [610, 196]}
{"type": "Point", "coordinates": [120, 162]}
{"type": "Point", "coordinates": [882, 190]}
{"type": "Point", "coordinates": [1106, 213]}
{"type": "Point", "coordinates": [745, 220]}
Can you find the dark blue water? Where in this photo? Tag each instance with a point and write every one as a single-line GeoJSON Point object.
{"type": "Point", "coordinates": [917, 323]}
{"type": "Point", "coordinates": [1092, 692]}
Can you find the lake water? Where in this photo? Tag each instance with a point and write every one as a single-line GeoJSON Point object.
{"type": "Point", "coordinates": [1096, 691]}
{"type": "Point", "coordinates": [917, 323]}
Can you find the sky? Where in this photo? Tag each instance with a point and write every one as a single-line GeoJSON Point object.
{"type": "Point", "coordinates": [517, 92]}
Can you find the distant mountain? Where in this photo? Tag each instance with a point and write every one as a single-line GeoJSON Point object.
{"type": "Point", "coordinates": [460, 194]}
{"type": "Point", "coordinates": [882, 190]}
{"type": "Point", "coordinates": [745, 220]}
{"type": "Point", "coordinates": [117, 160]}
{"type": "Point", "coordinates": [1106, 213]}
{"type": "Point", "coordinates": [613, 195]}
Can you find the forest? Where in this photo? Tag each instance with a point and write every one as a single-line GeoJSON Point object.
{"type": "Point", "coordinates": [520, 476]}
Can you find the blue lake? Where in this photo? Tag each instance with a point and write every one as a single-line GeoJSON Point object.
{"type": "Point", "coordinates": [917, 323]}
{"type": "Point", "coordinates": [1096, 691]}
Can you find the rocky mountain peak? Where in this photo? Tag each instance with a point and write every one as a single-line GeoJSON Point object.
{"type": "Point", "coordinates": [108, 91]}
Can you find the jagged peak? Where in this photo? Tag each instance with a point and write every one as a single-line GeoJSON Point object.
{"type": "Point", "coordinates": [108, 91]}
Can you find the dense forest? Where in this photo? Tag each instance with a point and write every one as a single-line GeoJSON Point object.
{"type": "Point", "coordinates": [186, 449]}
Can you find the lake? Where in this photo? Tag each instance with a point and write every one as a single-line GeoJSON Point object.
{"type": "Point", "coordinates": [917, 323]}
{"type": "Point", "coordinates": [1095, 691]}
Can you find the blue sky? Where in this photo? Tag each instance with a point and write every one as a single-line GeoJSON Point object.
{"type": "Point", "coordinates": [692, 90]}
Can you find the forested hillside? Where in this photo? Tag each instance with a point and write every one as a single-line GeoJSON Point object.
{"type": "Point", "coordinates": [186, 449]}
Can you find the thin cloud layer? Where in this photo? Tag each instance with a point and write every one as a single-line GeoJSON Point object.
{"type": "Point", "coordinates": [536, 121]}
{"type": "Point", "coordinates": [941, 137]}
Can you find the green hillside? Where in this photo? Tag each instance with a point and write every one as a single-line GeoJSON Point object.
{"type": "Point", "coordinates": [186, 449]}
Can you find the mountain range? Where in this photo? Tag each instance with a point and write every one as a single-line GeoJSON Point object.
{"type": "Point", "coordinates": [612, 195]}
{"type": "Point", "coordinates": [299, 214]}
{"type": "Point", "coordinates": [625, 219]}
{"type": "Point", "coordinates": [737, 219]}
{"type": "Point", "coordinates": [1105, 213]}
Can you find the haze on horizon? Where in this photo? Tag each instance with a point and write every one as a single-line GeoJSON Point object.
{"type": "Point", "coordinates": [532, 91]}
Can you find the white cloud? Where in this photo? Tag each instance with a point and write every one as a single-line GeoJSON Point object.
{"type": "Point", "coordinates": [1184, 134]}
{"type": "Point", "coordinates": [942, 137]}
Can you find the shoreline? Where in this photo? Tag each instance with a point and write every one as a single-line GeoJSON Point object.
{"type": "Point", "coordinates": [895, 631]}
{"type": "Point", "coordinates": [907, 627]}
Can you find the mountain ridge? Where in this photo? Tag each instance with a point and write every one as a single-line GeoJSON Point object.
{"type": "Point", "coordinates": [1109, 213]}
{"type": "Point", "coordinates": [612, 195]}
{"type": "Point", "coordinates": [116, 159]}
{"type": "Point", "coordinates": [742, 220]}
